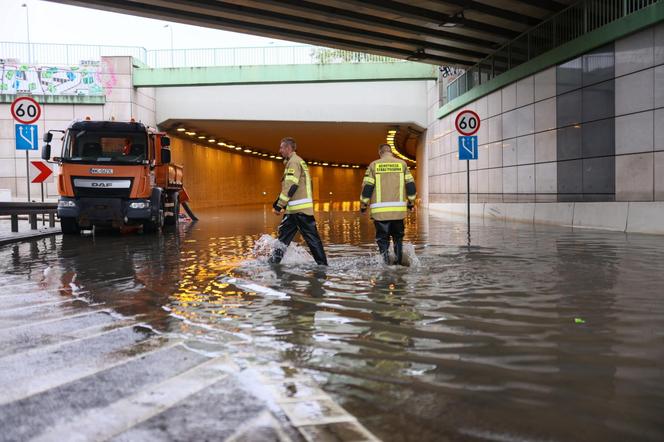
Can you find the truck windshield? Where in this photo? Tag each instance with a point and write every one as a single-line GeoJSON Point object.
{"type": "Point", "coordinates": [104, 147]}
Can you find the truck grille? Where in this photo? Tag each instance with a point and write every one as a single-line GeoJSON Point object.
{"type": "Point", "coordinates": [102, 187]}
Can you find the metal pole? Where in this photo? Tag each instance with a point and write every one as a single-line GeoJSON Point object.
{"type": "Point", "coordinates": [27, 171]}
{"type": "Point", "coordinates": [170, 28]}
{"type": "Point", "coordinates": [42, 195]}
{"type": "Point", "coordinates": [468, 192]}
{"type": "Point", "coordinates": [27, 25]}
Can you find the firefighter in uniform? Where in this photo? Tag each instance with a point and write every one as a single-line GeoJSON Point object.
{"type": "Point", "coordinates": [296, 201]}
{"type": "Point", "coordinates": [388, 190]}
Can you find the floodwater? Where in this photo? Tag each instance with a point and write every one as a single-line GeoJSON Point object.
{"type": "Point", "coordinates": [528, 333]}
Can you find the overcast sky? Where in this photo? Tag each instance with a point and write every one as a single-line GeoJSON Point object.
{"type": "Point", "coordinates": [56, 23]}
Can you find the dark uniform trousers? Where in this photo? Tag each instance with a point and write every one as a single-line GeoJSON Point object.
{"type": "Point", "coordinates": [390, 229]}
{"type": "Point", "coordinates": [306, 225]}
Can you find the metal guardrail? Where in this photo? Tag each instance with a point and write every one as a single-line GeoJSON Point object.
{"type": "Point", "coordinates": [252, 56]}
{"type": "Point", "coordinates": [69, 55]}
{"type": "Point", "coordinates": [30, 209]}
{"type": "Point", "coordinates": [65, 54]}
{"type": "Point", "coordinates": [569, 24]}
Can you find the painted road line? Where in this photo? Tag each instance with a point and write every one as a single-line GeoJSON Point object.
{"type": "Point", "coordinates": [51, 320]}
{"type": "Point", "coordinates": [104, 423]}
{"type": "Point", "coordinates": [103, 330]}
{"type": "Point", "coordinates": [24, 342]}
{"type": "Point", "coordinates": [70, 373]}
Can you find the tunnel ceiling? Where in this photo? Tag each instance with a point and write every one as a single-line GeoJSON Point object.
{"type": "Point", "coordinates": [447, 32]}
{"type": "Point", "coordinates": [343, 143]}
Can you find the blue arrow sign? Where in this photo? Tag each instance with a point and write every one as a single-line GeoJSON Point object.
{"type": "Point", "coordinates": [468, 148]}
{"type": "Point", "coordinates": [27, 137]}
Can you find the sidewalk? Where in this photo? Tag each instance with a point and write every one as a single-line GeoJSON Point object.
{"type": "Point", "coordinates": [24, 231]}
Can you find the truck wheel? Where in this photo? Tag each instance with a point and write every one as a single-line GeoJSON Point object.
{"type": "Point", "coordinates": [155, 226]}
{"type": "Point", "coordinates": [172, 220]}
{"type": "Point", "coordinates": [69, 226]}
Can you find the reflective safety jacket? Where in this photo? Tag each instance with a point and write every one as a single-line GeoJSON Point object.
{"type": "Point", "coordinates": [295, 194]}
{"type": "Point", "coordinates": [386, 185]}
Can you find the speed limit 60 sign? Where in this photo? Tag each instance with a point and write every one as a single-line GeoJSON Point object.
{"type": "Point", "coordinates": [467, 123]}
{"type": "Point", "coordinates": [25, 110]}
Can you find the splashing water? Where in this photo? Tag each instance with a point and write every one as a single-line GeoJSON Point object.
{"type": "Point", "coordinates": [295, 254]}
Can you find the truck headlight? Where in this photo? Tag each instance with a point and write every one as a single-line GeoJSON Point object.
{"type": "Point", "coordinates": [66, 203]}
{"type": "Point", "coordinates": [139, 205]}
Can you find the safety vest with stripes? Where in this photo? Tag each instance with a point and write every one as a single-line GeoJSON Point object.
{"type": "Point", "coordinates": [296, 172]}
{"type": "Point", "coordinates": [386, 188]}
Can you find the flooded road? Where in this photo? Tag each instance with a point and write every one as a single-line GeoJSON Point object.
{"type": "Point", "coordinates": [529, 333]}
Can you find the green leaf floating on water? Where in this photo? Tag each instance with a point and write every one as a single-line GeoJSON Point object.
{"type": "Point", "coordinates": [579, 321]}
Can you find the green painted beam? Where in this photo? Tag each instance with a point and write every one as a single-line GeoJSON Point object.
{"type": "Point", "coordinates": [613, 31]}
{"type": "Point", "coordinates": [58, 99]}
{"type": "Point", "coordinates": [304, 73]}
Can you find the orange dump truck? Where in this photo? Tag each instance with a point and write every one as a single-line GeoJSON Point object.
{"type": "Point", "coordinates": [116, 174]}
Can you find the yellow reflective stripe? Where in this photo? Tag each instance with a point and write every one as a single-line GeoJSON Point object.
{"type": "Point", "coordinates": [379, 197]}
{"type": "Point", "coordinates": [291, 178]}
{"type": "Point", "coordinates": [308, 181]}
{"type": "Point", "coordinates": [388, 209]}
{"type": "Point", "coordinates": [409, 177]}
{"type": "Point", "coordinates": [401, 186]}
{"type": "Point", "coordinates": [412, 197]}
{"type": "Point", "coordinates": [368, 180]}
{"type": "Point", "coordinates": [289, 171]}
{"type": "Point", "coordinates": [283, 197]}
{"type": "Point", "coordinates": [365, 200]}
{"type": "Point", "coordinates": [299, 206]}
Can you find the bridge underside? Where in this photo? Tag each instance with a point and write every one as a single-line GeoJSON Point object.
{"type": "Point", "coordinates": [448, 32]}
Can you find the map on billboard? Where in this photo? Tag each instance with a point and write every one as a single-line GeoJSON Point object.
{"type": "Point", "coordinates": [19, 78]}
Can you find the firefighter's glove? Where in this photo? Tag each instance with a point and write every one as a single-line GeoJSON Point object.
{"type": "Point", "coordinates": [411, 206]}
{"type": "Point", "coordinates": [363, 208]}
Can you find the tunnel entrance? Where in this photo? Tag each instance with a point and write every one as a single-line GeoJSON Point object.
{"type": "Point", "coordinates": [231, 162]}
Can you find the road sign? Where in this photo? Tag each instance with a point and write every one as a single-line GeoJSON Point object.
{"type": "Point", "coordinates": [468, 148]}
{"type": "Point", "coordinates": [467, 123]}
{"type": "Point", "coordinates": [25, 110]}
{"type": "Point", "coordinates": [27, 137]}
{"type": "Point", "coordinates": [40, 171]}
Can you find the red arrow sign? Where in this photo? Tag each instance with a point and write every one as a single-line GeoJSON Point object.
{"type": "Point", "coordinates": [43, 169]}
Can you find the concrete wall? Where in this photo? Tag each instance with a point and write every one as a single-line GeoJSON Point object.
{"type": "Point", "coordinates": [215, 177]}
{"type": "Point", "coordinates": [123, 101]}
{"type": "Point", "coordinates": [589, 131]}
{"type": "Point", "coordinates": [373, 102]}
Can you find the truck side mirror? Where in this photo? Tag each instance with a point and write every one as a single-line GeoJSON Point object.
{"type": "Point", "coordinates": [165, 141]}
{"type": "Point", "coordinates": [165, 156]}
{"type": "Point", "coordinates": [46, 151]}
{"type": "Point", "coordinates": [48, 137]}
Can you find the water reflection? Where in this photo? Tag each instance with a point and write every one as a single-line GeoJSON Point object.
{"type": "Point", "coordinates": [473, 342]}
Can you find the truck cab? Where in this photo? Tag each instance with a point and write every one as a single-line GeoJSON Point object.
{"type": "Point", "coordinates": [115, 174]}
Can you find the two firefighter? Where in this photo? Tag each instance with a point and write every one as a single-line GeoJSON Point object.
{"type": "Point", "coordinates": [388, 191]}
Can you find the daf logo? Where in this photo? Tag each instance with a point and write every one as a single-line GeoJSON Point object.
{"type": "Point", "coordinates": [101, 171]}
{"type": "Point", "coordinates": [101, 184]}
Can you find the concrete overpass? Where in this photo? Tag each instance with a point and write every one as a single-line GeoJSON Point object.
{"type": "Point", "coordinates": [451, 32]}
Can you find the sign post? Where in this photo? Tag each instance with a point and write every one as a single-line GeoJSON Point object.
{"type": "Point", "coordinates": [26, 111]}
{"type": "Point", "coordinates": [467, 123]}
